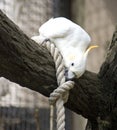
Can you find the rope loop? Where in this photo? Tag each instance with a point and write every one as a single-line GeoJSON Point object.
{"type": "Point", "coordinates": [60, 95]}
{"type": "Point", "coordinates": [61, 91]}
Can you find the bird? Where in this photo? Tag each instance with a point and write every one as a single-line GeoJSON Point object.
{"type": "Point", "coordinates": [73, 42]}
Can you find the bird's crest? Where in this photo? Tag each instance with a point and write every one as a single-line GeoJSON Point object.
{"type": "Point", "coordinates": [91, 47]}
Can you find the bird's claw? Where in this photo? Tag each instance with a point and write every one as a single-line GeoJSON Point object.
{"type": "Point", "coordinates": [45, 40]}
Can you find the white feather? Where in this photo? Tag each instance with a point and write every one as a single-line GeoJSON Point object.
{"type": "Point", "coordinates": [71, 40]}
{"type": "Point", "coordinates": [65, 33]}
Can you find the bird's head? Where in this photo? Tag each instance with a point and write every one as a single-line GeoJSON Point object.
{"type": "Point", "coordinates": [77, 63]}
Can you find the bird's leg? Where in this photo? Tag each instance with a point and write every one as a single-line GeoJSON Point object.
{"type": "Point", "coordinates": [45, 40]}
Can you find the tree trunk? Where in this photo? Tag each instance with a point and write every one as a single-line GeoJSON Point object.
{"type": "Point", "coordinates": [25, 62]}
{"type": "Point", "coordinates": [62, 8]}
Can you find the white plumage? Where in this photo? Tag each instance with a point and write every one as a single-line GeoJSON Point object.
{"type": "Point", "coordinates": [71, 40]}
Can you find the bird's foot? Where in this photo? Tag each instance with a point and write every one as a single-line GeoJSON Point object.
{"type": "Point", "coordinates": [45, 40]}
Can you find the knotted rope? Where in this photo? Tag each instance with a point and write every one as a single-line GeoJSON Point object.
{"type": "Point", "coordinates": [60, 95]}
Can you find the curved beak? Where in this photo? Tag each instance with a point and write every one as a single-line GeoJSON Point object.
{"type": "Point", "coordinates": [69, 74]}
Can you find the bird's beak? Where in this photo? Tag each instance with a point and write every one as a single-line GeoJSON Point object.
{"type": "Point", "coordinates": [91, 47]}
{"type": "Point", "coordinates": [69, 74]}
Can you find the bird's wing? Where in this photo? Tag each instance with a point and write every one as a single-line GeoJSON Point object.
{"type": "Point", "coordinates": [56, 28]}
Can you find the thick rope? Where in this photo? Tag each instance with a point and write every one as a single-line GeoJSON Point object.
{"type": "Point", "coordinates": [60, 95]}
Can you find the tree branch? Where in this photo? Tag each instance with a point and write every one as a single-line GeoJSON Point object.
{"type": "Point", "coordinates": [30, 65]}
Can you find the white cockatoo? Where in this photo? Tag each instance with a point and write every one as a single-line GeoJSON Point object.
{"type": "Point", "coordinates": [71, 40]}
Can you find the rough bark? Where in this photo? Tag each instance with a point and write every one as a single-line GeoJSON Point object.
{"type": "Point", "coordinates": [62, 8]}
{"type": "Point", "coordinates": [30, 65]}
{"type": "Point", "coordinates": [108, 76]}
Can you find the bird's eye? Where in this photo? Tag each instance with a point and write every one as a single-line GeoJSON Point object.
{"type": "Point", "coordinates": [72, 64]}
